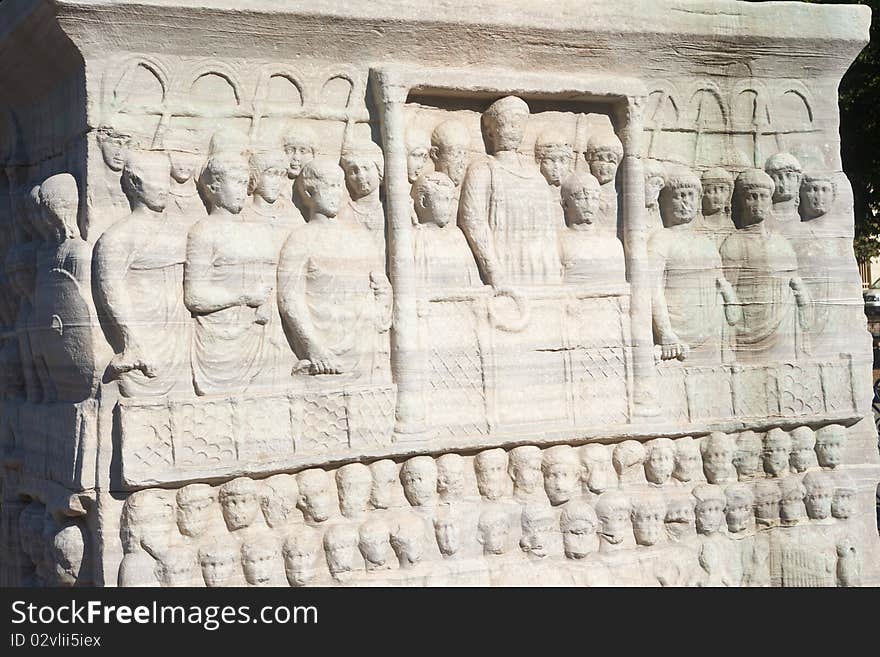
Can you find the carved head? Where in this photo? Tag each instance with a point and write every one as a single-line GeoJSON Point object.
{"type": "Point", "coordinates": [504, 124]}
{"type": "Point", "coordinates": [596, 461]}
{"type": "Point", "coordinates": [717, 451]}
{"type": "Point", "coordinates": [747, 457]}
{"type": "Point", "coordinates": [717, 191]}
{"type": "Point", "coordinates": [240, 502]}
{"type": "Point", "coordinates": [648, 516]}
{"type": "Point", "coordinates": [353, 485]}
{"type": "Point", "coordinates": [185, 151]}
{"type": "Point", "coordinates": [490, 467]}
{"type": "Point", "coordinates": [419, 478]}
{"type": "Point", "coordinates": [418, 148]}
{"type": "Point", "coordinates": [433, 198]}
{"type": "Point", "coordinates": [767, 499]}
{"type": "Point", "coordinates": [830, 441]}
{"type": "Point", "coordinates": [843, 501]}
{"type": "Point", "coordinates": [315, 498]}
{"type": "Point", "coordinates": [259, 557]}
{"type": "Point", "coordinates": [817, 196]}
{"type": "Point", "coordinates": [364, 167]}
{"type": "Point", "coordinates": [493, 530]}
{"type": "Point", "coordinates": [147, 515]}
{"type": "Point", "coordinates": [803, 449]}
{"type": "Point", "coordinates": [680, 517]}
{"type": "Point", "coordinates": [66, 550]}
{"type": "Point", "coordinates": [627, 459]}
{"type": "Point", "coordinates": [578, 523]}
{"type": "Point", "coordinates": [268, 173]}
{"type": "Point", "coordinates": [447, 533]}
{"type": "Point", "coordinates": [752, 198]}
{"type": "Point", "coordinates": [300, 552]}
{"type": "Point", "coordinates": [195, 509]}
{"type": "Point", "coordinates": [219, 562]}
{"type": "Point", "coordinates": [581, 199]}
{"type": "Point", "coordinates": [114, 145]}
{"type": "Point", "coordinates": [680, 198]}
{"type": "Point", "coordinates": [224, 181]}
{"type": "Point", "coordinates": [524, 467]}
{"type": "Point", "coordinates": [450, 145]}
{"type": "Point", "coordinates": [785, 171]}
{"type": "Point", "coordinates": [739, 508]}
{"type": "Point", "coordinates": [341, 549]}
{"type": "Point", "coordinates": [319, 185]}
{"type": "Point", "coordinates": [300, 147]}
{"type": "Point", "coordinates": [604, 153]}
{"type": "Point", "coordinates": [450, 476]}
{"type": "Point", "coordinates": [613, 510]}
{"type": "Point", "coordinates": [562, 473]}
{"type": "Point", "coordinates": [554, 156]}
{"type": "Point", "coordinates": [660, 460]}
{"type": "Point", "coordinates": [791, 506]}
{"type": "Point", "coordinates": [687, 459]}
{"type": "Point", "coordinates": [375, 543]}
{"type": "Point", "coordinates": [538, 523]}
{"type": "Point", "coordinates": [176, 568]}
{"type": "Point", "coordinates": [59, 200]}
{"type": "Point", "coordinates": [655, 180]}
{"type": "Point", "coordinates": [819, 489]}
{"type": "Point", "coordinates": [279, 500]}
{"type": "Point", "coordinates": [385, 478]}
{"type": "Point", "coordinates": [777, 452]}
{"type": "Point", "coordinates": [709, 510]}
{"type": "Point", "coordinates": [408, 540]}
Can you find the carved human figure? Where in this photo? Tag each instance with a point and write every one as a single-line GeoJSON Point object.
{"type": "Point", "coordinates": [786, 173]}
{"type": "Point", "coordinates": [279, 500]}
{"type": "Point", "coordinates": [450, 477]}
{"type": "Point", "coordinates": [196, 510]}
{"type": "Point", "coordinates": [240, 503]}
{"type": "Point", "coordinates": [442, 256]}
{"type": "Point", "coordinates": [334, 296]}
{"type": "Point", "coordinates": [777, 452]}
{"type": "Point", "coordinates": [830, 442]}
{"type": "Point", "coordinates": [364, 167]}
{"type": "Point", "coordinates": [819, 493]}
{"type": "Point", "coordinates": [450, 145]}
{"type": "Point", "coordinates": [506, 210]}
{"type": "Point", "coordinates": [316, 500]}
{"type": "Point", "coordinates": [680, 517]}
{"type": "Point", "coordinates": [578, 523]}
{"type": "Point", "coordinates": [177, 568]}
{"type": "Point", "coordinates": [599, 474]}
{"type": "Point", "coordinates": [648, 518]}
{"type": "Point", "coordinates": [229, 284]}
{"type": "Point", "coordinates": [763, 269]}
{"type": "Point", "coordinates": [408, 541]}
{"type": "Point", "coordinates": [615, 531]}
{"type": "Point", "coordinates": [659, 461]}
{"type": "Point", "coordinates": [374, 543]}
{"type": "Point", "coordinates": [419, 478]}
{"type": "Point", "coordinates": [114, 144]}
{"type": "Point", "coordinates": [627, 459]}
{"type": "Point", "coordinates": [603, 154]}
{"type": "Point", "coordinates": [715, 219]}
{"type": "Point", "coordinates": [353, 485]}
{"type": "Point", "coordinates": [849, 566]}
{"type": "Point", "coordinates": [538, 524]}
{"type": "Point", "coordinates": [448, 535]}
{"type": "Point", "coordinates": [493, 530]}
{"type": "Point", "coordinates": [739, 507]}
{"type": "Point", "coordinates": [301, 550]}
{"type": "Point", "coordinates": [341, 551]}
{"type": "Point", "coordinates": [186, 156]}
{"type": "Point", "coordinates": [300, 147]}
{"type": "Point", "coordinates": [145, 531]}
{"type": "Point", "coordinates": [219, 561]}
{"type": "Point", "coordinates": [767, 500]}
{"type": "Point", "coordinates": [385, 484]}
{"type": "Point", "coordinates": [490, 467]}
{"type": "Point", "coordinates": [524, 468]}
{"type": "Point", "coordinates": [817, 194]}
{"type": "Point", "coordinates": [747, 457]}
{"type": "Point", "coordinates": [66, 549]}
{"type": "Point", "coordinates": [688, 464]}
{"type": "Point", "coordinates": [561, 468]}
{"type": "Point", "coordinates": [791, 505]}
{"type": "Point", "coordinates": [418, 150]}
{"type": "Point", "coordinates": [717, 451]}
{"type": "Point", "coordinates": [554, 156]}
{"type": "Point", "coordinates": [267, 201]}
{"type": "Point", "coordinates": [692, 299]}
{"type": "Point", "coordinates": [709, 509]}
{"type": "Point", "coordinates": [844, 499]}
{"type": "Point", "coordinates": [655, 181]}
{"type": "Point", "coordinates": [590, 254]}
{"type": "Point", "coordinates": [803, 449]}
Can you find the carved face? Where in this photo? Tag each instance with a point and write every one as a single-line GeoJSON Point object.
{"type": "Point", "coordinates": [687, 462]}
{"type": "Point", "coordinates": [506, 130]}
{"type": "Point", "coordinates": [537, 536]}
{"type": "Point", "coordinates": [527, 477]}
{"type": "Point", "coordinates": [361, 176]}
{"type": "Point", "coordinates": [601, 473]}
{"type": "Point", "coordinates": [375, 550]}
{"type": "Point", "coordinates": [767, 507]}
{"type": "Point", "coordinates": [300, 562]}
{"type": "Point", "coordinates": [842, 504]}
{"type": "Point", "coordinates": [494, 537]}
{"type": "Point", "coordinates": [829, 451]}
{"type": "Point", "coordinates": [299, 155]}
{"type": "Point", "coordinates": [817, 197]}
{"type": "Point", "coordinates": [354, 492]}
{"type": "Point", "coordinates": [791, 508]}
{"type": "Point", "coordinates": [788, 182]}
{"type": "Point", "coordinates": [450, 478]}
{"type": "Point", "coordinates": [747, 460]}
{"type": "Point", "coordinates": [679, 205]}
{"type": "Point", "coordinates": [316, 502]}
{"type": "Point", "coordinates": [659, 465]}
{"type": "Point", "coordinates": [738, 515]}
{"type": "Point", "coordinates": [579, 539]}
{"type": "Point", "coordinates": [176, 572]}
{"type": "Point", "coordinates": [384, 483]}
{"type": "Point", "coordinates": [239, 510]}
{"type": "Point", "coordinates": [65, 557]}
{"type": "Point", "coordinates": [194, 516]}
{"type": "Point", "coordinates": [219, 569]}
{"type": "Point", "coordinates": [341, 557]}
{"type": "Point", "coordinates": [416, 159]}
{"type": "Point", "coordinates": [802, 457]}
{"type": "Point", "coordinates": [756, 205]}
{"type": "Point", "coordinates": [775, 457]}
{"type": "Point", "coordinates": [603, 165]}
{"type": "Point", "coordinates": [419, 483]}
{"type": "Point", "coordinates": [269, 182]}
{"type": "Point", "coordinates": [680, 518]}
{"type": "Point", "coordinates": [491, 471]}
{"type": "Point", "coordinates": [709, 516]}
{"type": "Point", "coordinates": [554, 166]}
{"type": "Point", "coordinates": [436, 207]}
{"type": "Point", "coordinates": [453, 161]}
{"type": "Point", "coordinates": [716, 197]}
{"type": "Point", "coordinates": [648, 525]}
{"type": "Point", "coordinates": [653, 185]}
{"type": "Point", "coordinates": [561, 481]}
{"type": "Point", "coordinates": [582, 207]}
{"type": "Point", "coordinates": [229, 191]}
{"type": "Point", "coordinates": [184, 166]}
{"type": "Point", "coordinates": [410, 550]}
{"type": "Point", "coordinates": [615, 525]}
{"type": "Point", "coordinates": [114, 150]}
{"type": "Point", "coordinates": [448, 539]}
{"type": "Point", "coordinates": [258, 566]}
{"type": "Point", "coordinates": [818, 503]}
{"type": "Point", "coordinates": [717, 463]}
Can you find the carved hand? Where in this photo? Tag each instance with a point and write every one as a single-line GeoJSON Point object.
{"type": "Point", "coordinates": [672, 348]}
{"type": "Point", "coordinates": [130, 359]}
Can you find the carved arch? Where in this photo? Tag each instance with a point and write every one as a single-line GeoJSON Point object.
{"type": "Point", "coordinates": [220, 70]}
{"type": "Point", "coordinates": [295, 78]}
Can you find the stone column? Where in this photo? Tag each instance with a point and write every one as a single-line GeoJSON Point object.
{"type": "Point", "coordinates": [406, 361]}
